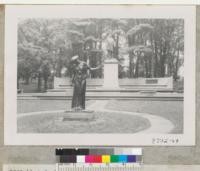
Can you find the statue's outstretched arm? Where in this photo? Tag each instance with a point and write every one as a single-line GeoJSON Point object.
{"type": "Point", "coordinates": [96, 68]}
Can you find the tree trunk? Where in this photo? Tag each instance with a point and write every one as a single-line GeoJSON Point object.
{"type": "Point", "coordinates": [130, 66]}
{"type": "Point", "coordinates": [27, 80]}
{"type": "Point", "coordinates": [155, 65]}
{"type": "Point", "coordinates": [18, 82]}
{"type": "Point", "coordinates": [117, 48]}
{"type": "Point", "coordinates": [162, 67]}
{"type": "Point", "coordinates": [45, 83]}
{"type": "Point", "coordinates": [152, 63]}
{"type": "Point", "coordinates": [176, 68]}
{"type": "Point", "coordinates": [163, 56]}
{"type": "Point", "coordinates": [39, 82]}
{"type": "Point", "coordinates": [136, 68]}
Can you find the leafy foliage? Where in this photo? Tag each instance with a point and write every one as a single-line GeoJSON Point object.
{"type": "Point", "coordinates": [150, 44]}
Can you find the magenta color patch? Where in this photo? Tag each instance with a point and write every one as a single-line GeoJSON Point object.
{"type": "Point", "coordinates": [89, 159]}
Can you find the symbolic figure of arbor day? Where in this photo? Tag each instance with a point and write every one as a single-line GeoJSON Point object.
{"type": "Point", "coordinates": [79, 75]}
{"type": "Point", "coordinates": [110, 47]}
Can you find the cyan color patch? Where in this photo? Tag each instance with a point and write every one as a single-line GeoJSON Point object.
{"type": "Point", "coordinates": [122, 158]}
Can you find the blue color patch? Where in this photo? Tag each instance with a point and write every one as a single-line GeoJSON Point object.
{"type": "Point", "coordinates": [131, 158]}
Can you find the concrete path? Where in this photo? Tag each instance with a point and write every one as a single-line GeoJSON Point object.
{"type": "Point", "coordinates": [158, 124]}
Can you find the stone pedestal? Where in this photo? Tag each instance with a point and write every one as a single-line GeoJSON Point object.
{"type": "Point", "coordinates": [111, 74]}
{"type": "Point", "coordinates": [78, 116]}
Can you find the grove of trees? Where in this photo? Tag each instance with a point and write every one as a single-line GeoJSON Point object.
{"type": "Point", "coordinates": [154, 47]}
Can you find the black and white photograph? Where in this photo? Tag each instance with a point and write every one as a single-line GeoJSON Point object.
{"type": "Point", "coordinates": [84, 73]}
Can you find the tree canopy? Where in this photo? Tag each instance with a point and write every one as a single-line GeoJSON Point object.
{"type": "Point", "coordinates": [151, 45]}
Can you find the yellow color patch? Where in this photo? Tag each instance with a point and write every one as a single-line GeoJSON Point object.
{"type": "Point", "coordinates": [105, 159]}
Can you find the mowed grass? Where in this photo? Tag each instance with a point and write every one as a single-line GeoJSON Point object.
{"type": "Point", "coordinates": [171, 110]}
{"type": "Point", "coordinates": [103, 122]}
{"type": "Point", "coordinates": [25, 106]}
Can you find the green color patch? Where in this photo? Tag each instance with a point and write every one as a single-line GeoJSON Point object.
{"type": "Point", "coordinates": [114, 158]}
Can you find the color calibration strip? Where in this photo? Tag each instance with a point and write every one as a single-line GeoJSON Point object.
{"type": "Point", "coordinates": [87, 151]}
{"type": "Point", "coordinates": [100, 155]}
{"type": "Point", "coordinates": [100, 159]}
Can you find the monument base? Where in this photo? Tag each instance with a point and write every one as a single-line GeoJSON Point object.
{"type": "Point", "coordinates": [84, 115]}
{"type": "Point", "coordinates": [79, 111]}
{"type": "Point", "coordinates": [108, 89]}
{"type": "Point", "coordinates": [111, 80]}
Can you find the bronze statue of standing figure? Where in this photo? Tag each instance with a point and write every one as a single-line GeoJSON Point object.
{"type": "Point", "coordinates": [79, 76]}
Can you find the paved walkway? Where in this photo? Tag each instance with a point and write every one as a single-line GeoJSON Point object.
{"type": "Point", "coordinates": [158, 124]}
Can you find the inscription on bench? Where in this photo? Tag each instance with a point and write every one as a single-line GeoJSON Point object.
{"type": "Point", "coordinates": [151, 81]}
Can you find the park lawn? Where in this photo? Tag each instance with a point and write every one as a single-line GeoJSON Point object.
{"type": "Point", "coordinates": [106, 123]}
{"type": "Point", "coordinates": [171, 110]}
{"type": "Point", "coordinates": [103, 122]}
{"type": "Point", "coordinates": [29, 88]}
{"type": "Point", "coordinates": [24, 106]}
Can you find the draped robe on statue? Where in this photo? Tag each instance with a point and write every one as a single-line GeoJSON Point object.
{"type": "Point", "coordinates": [79, 82]}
